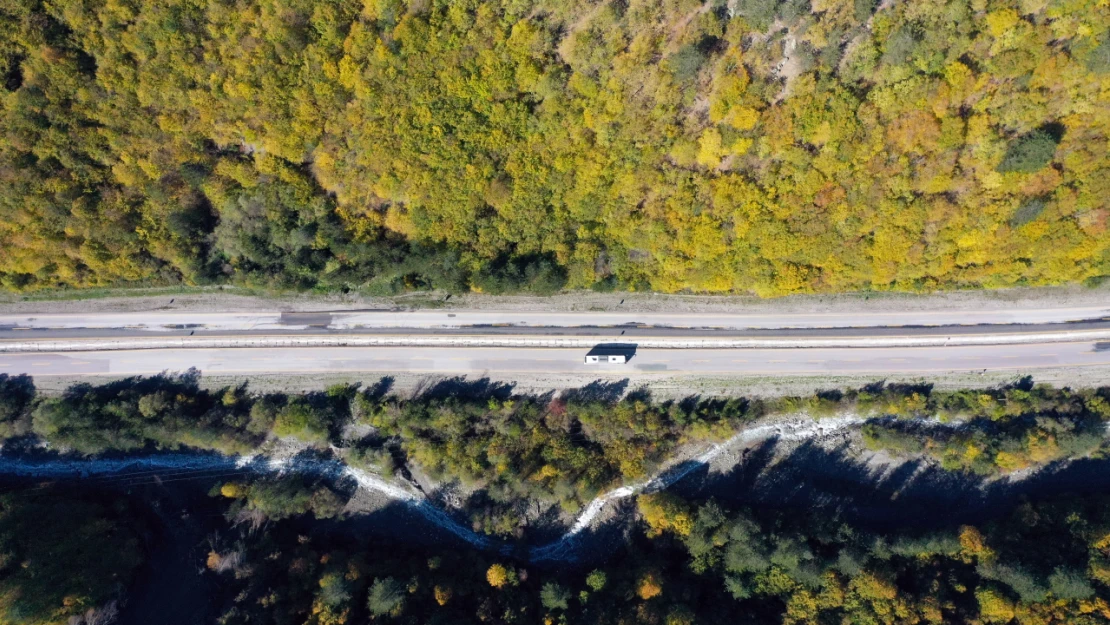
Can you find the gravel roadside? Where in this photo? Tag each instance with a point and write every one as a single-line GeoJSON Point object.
{"type": "Point", "coordinates": [224, 299]}
{"type": "Point", "coordinates": [661, 386]}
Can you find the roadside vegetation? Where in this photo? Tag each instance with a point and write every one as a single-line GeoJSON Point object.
{"type": "Point", "coordinates": [995, 432]}
{"type": "Point", "coordinates": [986, 447]}
{"type": "Point", "coordinates": [755, 146]}
{"type": "Point", "coordinates": [507, 453]}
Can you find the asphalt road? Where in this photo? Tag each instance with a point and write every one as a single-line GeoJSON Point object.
{"type": "Point", "coordinates": [478, 360]}
{"type": "Point", "coordinates": [155, 321]}
{"type": "Point", "coordinates": [853, 332]}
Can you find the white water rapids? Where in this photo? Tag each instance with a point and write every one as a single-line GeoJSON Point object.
{"type": "Point", "coordinates": [166, 467]}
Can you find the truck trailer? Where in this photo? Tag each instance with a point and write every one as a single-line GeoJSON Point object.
{"type": "Point", "coordinates": [610, 354]}
{"type": "Point", "coordinates": [612, 359]}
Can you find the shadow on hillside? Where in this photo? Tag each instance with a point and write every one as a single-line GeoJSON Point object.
{"type": "Point", "coordinates": [833, 482]}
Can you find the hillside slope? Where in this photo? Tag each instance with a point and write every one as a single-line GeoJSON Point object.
{"type": "Point", "coordinates": [743, 146]}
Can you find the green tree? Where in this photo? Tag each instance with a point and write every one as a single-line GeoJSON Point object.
{"type": "Point", "coordinates": [1029, 154]}
{"type": "Point", "coordinates": [300, 419]}
{"type": "Point", "coordinates": [554, 597]}
{"type": "Point", "coordinates": [387, 596]}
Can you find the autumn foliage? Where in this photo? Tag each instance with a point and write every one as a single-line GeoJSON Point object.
{"type": "Point", "coordinates": [744, 146]}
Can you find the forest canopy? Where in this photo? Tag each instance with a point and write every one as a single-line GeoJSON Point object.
{"type": "Point", "coordinates": [65, 556]}
{"type": "Point", "coordinates": [766, 146]}
{"type": "Point", "coordinates": [1038, 563]}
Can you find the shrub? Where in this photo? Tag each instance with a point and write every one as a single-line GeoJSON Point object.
{"type": "Point", "coordinates": [539, 274]}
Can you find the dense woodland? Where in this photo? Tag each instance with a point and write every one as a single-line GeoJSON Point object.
{"type": "Point", "coordinates": [1042, 563]}
{"type": "Point", "coordinates": [70, 557]}
{"type": "Point", "coordinates": [511, 452]}
{"type": "Point", "coordinates": [281, 553]}
{"type": "Point", "coordinates": [766, 146]}
{"type": "Point", "coordinates": [66, 556]}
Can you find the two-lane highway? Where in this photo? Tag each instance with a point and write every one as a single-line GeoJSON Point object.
{"type": "Point", "coordinates": [507, 343]}
{"type": "Point", "coordinates": [479, 360]}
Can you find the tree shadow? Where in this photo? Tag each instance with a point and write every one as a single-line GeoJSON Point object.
{"type": "Point", "coordinates": [380, 389]}
{"type": "Point", "coordinates": [882, 387]}
{"type": "Point", "coordinates": [598, 391]}
{"type": "Point", "coordinates": [588, 548]}
{"type": "Point", "coordinates": [834, 483]}
{"type": "Point", "coordinates": [717, 408]}
{"type": "Point", "coordinates": [325, 466]}
{"type": "Point", "coordinates": [187, 381]}
{"type": "Point", "coordinates": [20, 386]}
{"type": "Point", "coordinates": [689, 470]}
{"type": "Point", "coordinates": [396, 522]}
{"type": "Point", "coordinates": [463, 388]}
